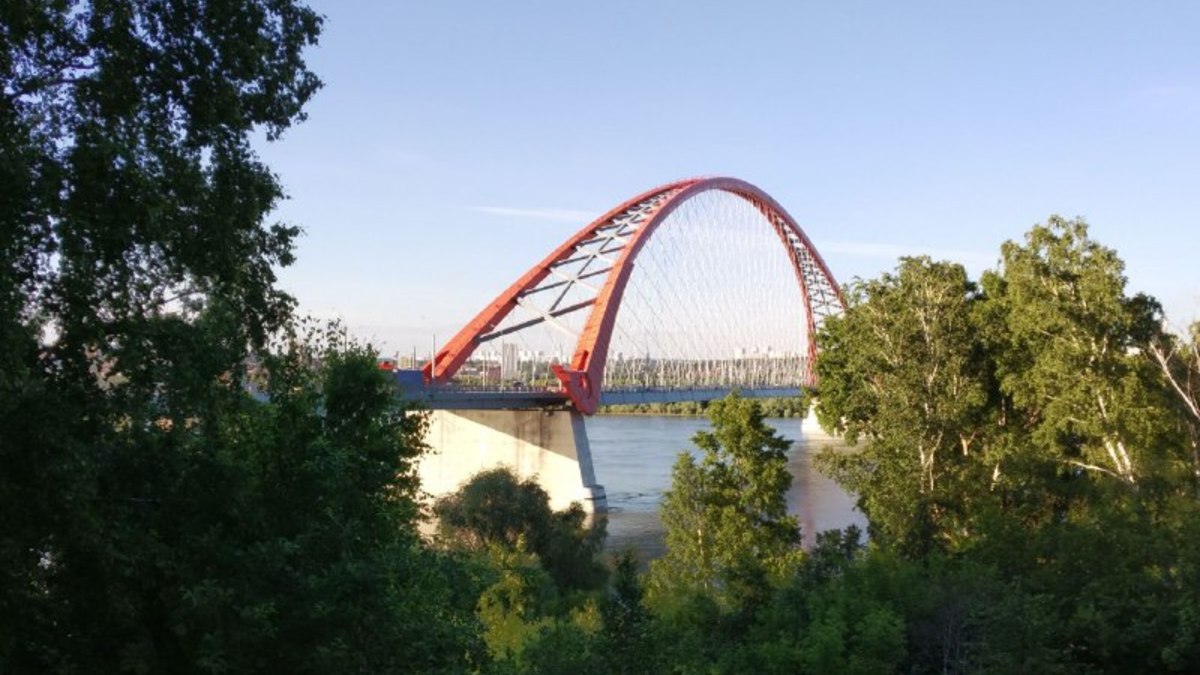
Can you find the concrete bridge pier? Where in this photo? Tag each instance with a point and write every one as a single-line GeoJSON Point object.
{"type": "Point", "coordinates": [549, 445]}
{"type": "Point", "coordinates": [810, 427]}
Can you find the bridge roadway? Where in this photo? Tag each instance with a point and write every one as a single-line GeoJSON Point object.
{"type": "Point", "coordinates": [537, 433]}
{"type": "Point", "coordinates": [451, 397]}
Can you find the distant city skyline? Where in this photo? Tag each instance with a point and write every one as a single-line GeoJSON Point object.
{"type": "Point", "coordinates": [454, 145]}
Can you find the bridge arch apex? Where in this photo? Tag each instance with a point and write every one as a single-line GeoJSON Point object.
{"type": "Point", "coordinates": [624, 230]}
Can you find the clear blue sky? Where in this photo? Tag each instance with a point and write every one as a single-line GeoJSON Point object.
{"type": "Point", "coordinates": [455, 143]}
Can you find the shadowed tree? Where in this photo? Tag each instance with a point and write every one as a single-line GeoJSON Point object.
{"type": "Point", "coordinates": [152, 517]}
{"type": "Point", "coordinates": [495, 508]}
{"type": "Point", "coordinates": [1179, 360]}
{"type": "Point", "coordinates": [726, 516]}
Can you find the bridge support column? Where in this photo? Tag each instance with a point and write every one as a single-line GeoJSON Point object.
{"type": "Point", "coordinates": [549, 445]}
{"type": "Point", "coordinates": [810, 427]}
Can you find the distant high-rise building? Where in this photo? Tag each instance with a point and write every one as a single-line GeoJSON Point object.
{"type": "Point", "coordinates": [509, 362]}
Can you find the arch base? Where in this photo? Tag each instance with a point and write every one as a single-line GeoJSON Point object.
{"type": "Point", "coordinates": [550, 446]}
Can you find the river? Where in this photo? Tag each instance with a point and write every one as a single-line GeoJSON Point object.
{"type": "Point", "coordinates": [633, 455]}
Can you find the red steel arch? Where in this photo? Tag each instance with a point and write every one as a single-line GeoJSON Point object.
{"type": "Point", "coordinates": [644, 213]}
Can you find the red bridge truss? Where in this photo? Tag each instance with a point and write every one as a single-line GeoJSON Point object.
{"type": "Point", "coordinates": [590, 271]}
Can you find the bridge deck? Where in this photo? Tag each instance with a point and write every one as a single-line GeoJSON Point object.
{"type": "Point", "coordinates": [454, 398]}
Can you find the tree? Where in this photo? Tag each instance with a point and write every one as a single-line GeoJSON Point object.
{"type": "Point", "coordinates": [1066, 501]}
{"type": "Point", "coordinates": [726, 516]}
{"type": "Point", "coordinates": [291, 540]}
{"type": "Point", "coordinates": [496, 509]}
{"type": "Point", "coordinates": [517, 605]}
{"type": "Point", "coordinates": [1006, 404]}
{"type": "Point", "coordinates": [904, 369]}
{"type": "Point", "coordinates": [1179, 361]}
{"type": "Point", "coordinates": [155, 517]}
{"type": "Point", "coordinates": [135, 270]}
{"type": "Point", "coordinates": [626, 639]}
{"type": "Point", "coordinates": [1071, 354]}
{"type": "Point", "coordinates": [563, 648]}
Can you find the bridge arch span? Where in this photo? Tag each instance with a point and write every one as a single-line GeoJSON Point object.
{"type": "Point", "coordinates": [607, 249]}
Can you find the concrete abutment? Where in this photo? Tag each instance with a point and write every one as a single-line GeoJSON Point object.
{"type": "Point", "coordinates": [549, 445]}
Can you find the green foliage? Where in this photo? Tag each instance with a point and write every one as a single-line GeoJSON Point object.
{"type": "Point", "coordinates": [156, 518]}
{"type": "Point", "coordinates": [903, 369]}
{"type": "Point", "coordinates": [495, 508]}
{"type": "Point", "coordinates": [566, 646]}
{"type": "Point", "coordinates": [1111, 590]}
{"type": "Point", "coordinates": [855, 613]}
{"type": "Point", "coordinates": [563, 648]}
{"type": "Point", "coordinates": [1178, 359]}
{"type": "Point", "coordinates": [134, 189]}
{"type": "Point", "coordinates": [525, 627]}
{"type": "Point", "coordinates": [794, 406]}
{"type": "Point", "coordinates": [517, 605]}
{"type": "Point", "coordinates": [280, 537]}
{"type": "Point", "coordinates": [1018, 400]}
{"type": "Point", "coordinates": [626, 640]}
{"type": "Point", "coordinates": [1062, 475]}
{"type": "Point", "coordinates": [1069, 352]}
{"type": "Point", "coordinates": [1009, 533]}
{"type": "Point", "coordinates": [681, 408]}
{"type": "Point", "coordinates": [726, 516]}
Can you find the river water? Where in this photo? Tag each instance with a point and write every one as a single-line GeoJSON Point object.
{"type": "Point", "coordinates": [633, 456]}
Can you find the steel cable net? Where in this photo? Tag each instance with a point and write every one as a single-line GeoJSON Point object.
{"type": "Point", "coordinates": [544, 326]}
{"type": "Point", "coordinates": [712, 302]}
